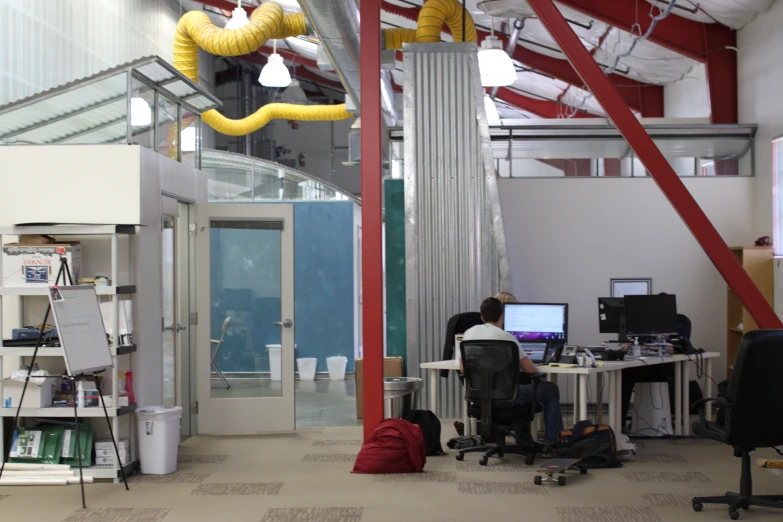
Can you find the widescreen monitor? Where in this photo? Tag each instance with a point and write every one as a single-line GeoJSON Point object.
{"type": "Point", "coordinates": [537, 322]}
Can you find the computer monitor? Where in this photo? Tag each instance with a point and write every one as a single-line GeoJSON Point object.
{"type": "Point", "coordinates": [611, 315]}
{"type": "Point", "coordinates": [651, 314]}
{"type": "Point", "coordinates": [534, 322]}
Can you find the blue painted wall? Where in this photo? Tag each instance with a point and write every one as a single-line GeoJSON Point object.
{"type": "Point", "coordinates": [245, 283]}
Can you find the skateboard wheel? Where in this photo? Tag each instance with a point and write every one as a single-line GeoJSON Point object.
{"type": "Point", "coordinates": [697, 507]}
{"type": "Point", "coordinates": [460, 457]}
{"type": "Point", "coordinates": [734, 515]}
{"type": "Point", "coordinates": [583, 470]}
{"type": "Point", "coordinates": [483, 461]}
{"type": "Point", "coordinates": [537, 480]}
{"type": "Point", "coordinates": [529, 460]}
{"type": "Point", "coordinates": [561, 481]}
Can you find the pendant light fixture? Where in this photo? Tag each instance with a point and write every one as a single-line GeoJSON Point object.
{"type": "Point", "coordinates": [495, 66]}
{"type": "Point", "coordinates": [275, 73]}
{"type": "Point", "coordinates": [141, 112]}
{"type": "Point", "coordinates": [238, 17]}
{"type": "Point", "coordinates": [493, 117]}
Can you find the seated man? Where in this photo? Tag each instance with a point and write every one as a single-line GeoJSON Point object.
{"type": "Point", "coordinates": [547, 393]}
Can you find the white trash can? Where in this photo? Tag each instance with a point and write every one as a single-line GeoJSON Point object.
{"type": "Point", "coordinates": [652, 415]}
{"type": "Point", "coordinates": [158, 428]}
{"type": "Point", "coordinates": [275, 363]}
{"type": "Point", "coordinates": [306, 366]}
{"type": "Point", "coordinates": [336, 367]}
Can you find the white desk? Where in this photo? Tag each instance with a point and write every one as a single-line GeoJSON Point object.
{"type": "Point", "coordinates": [613, 370]}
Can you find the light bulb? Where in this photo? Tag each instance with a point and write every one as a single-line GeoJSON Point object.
{"type": "Point", "coordinates": [275, 73]}
{"type": "Point", "coordinates": [141, 112]}
{"type": "Point", "coordinates": [188, 139]}
{"type": "Point", "coordinates": [495, 66]}
{"type": "Point", "coordinates": [238, 19]}
{"type": "Point", "coordinates": [491, 109]}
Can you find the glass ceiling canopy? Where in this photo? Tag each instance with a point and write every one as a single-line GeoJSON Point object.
{"type": "Point", "coordinates": [100, 108]}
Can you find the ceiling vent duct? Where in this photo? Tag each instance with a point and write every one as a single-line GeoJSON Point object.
{"type": "Point", "coordinates": [507, 8]}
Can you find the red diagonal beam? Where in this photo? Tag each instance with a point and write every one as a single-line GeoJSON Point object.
{"type": "Point", "coordinates": [668, 181]}
{"type": "Point", "coordinates": [642, 97]}
{"type": "Point", "coordinates": [713, 44]}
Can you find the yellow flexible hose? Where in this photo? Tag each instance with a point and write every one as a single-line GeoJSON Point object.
{"type": "Point", "coordinates": [432, 16]}
{"type": "Point", "coordinates": [275, 111]}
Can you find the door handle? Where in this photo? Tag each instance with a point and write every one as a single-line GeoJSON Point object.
{"type": "Point", "coordinates": [171, 328]}
{"type": "Point", "coordinates": [180, 327]}
{"type": "Point", "coordinates": [285, 323]}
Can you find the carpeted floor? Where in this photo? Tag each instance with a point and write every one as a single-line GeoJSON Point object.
{"type": "Point", "coordinates": [306, 477]}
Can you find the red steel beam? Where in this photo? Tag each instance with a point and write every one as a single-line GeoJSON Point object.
{"type": "Point", "coordinates": [542, 108]}
{"type": "Point", "coordinates": [642, 97]}
{"type": "Point", "coordinates": [668, 181]}
{"type": "Point", "coordinates": [372, 214]}
{"type": "Point", "coordinates": [712, 44]}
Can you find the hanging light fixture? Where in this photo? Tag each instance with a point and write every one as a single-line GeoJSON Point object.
{"type": "Point", "coordinates": [294, 93]}
{"type": "Point", "coordinates": [189, 139]}
{"type": "Point", "coordinates": [491, 109]}
{"type": "Point", "coordinates": [238, 17]}
{"type": "Point", "coordinates": [275, 73]}
{"type": "Point", "coordinates": [495, 66]}
{"type": "Point", "coordinates": [141, 112]}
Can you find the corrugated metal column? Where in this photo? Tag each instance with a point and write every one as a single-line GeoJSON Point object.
{"type": "Point", "coordinates": [454, 245]}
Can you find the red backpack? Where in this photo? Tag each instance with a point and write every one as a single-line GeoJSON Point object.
{"type": "Point", "coordinates": [395, 446]}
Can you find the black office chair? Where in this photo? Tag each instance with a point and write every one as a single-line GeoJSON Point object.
{"type": "Point", "coordinates": [458, 324]}
{"type": "Point", "coordinates": [753, 408]}
{"type": "Point", "coordinates": [492, 378]}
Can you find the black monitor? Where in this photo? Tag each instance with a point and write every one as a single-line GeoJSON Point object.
{"type": "Point", "coordinates": [611, 316]}
{"type": "Point", "coordinates": [537, 322]}
{"type": "Point", "coordinates": [651, 314]}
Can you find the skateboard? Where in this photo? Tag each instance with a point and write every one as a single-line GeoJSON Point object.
{"type": "Point", "coordinates": [769, 463]}
{"type": "Point", "coordinates": [553, 466]}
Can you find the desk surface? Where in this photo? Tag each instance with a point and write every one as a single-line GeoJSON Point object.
{"type": "Point", "coordinates": [608, 366]}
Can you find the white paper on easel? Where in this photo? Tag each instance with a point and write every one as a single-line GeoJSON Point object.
{"type": "Point", "coordinates": [125, 323]}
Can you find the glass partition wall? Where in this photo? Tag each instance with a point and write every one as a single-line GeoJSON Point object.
{"type": "Point", "coordinates": [146, 102]}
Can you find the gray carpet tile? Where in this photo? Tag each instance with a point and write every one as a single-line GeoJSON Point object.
{"type": "Point", "coordinates": [495, 465]}
{"type": "Point", "coordinates": [607, 514]}
{"type": "Point", "coordinates": [500, 488]}
{"type": "Point", "coordinates": [329, 514]}
{"type": "Point", "coordinates": [118, 515]}
{"type": "Point", "coordinates": [338, 442]}
{"type": "Point", "coordinates": [252, 488]}
{"type": "Point", "coordinates": [672, 499]}
{"type": "Point", "coordinates": [202, 459]}
{"type": "Point", "coordinates": [426, 476]}
{"type": "Point", "coordinates": [329, 457]}
{"type": "Point", "coordinates": [660, 458]}
{"type": "Point", "coordinates": [178, 477]}
{"type": "Point", "coordinates": [666, 476]}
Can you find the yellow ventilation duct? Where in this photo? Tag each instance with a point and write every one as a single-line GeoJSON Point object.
{"type": "Point", "coordinates": [432, 16]}
{"type": "Point", "coordinates": [267, 22]}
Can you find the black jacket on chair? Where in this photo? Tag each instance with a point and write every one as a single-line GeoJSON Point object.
{"type": "Point", "coordinates": [458, 324]}
{"type": "Point", "coordinates": [753, 407]}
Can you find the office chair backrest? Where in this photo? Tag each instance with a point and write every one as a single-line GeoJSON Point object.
{"type": "Point", "coordinates": [224, 328]}
{"type": "Point", "coordinates": [491, 370]}
{"type": "Point", "coordinates": [458, 324]}
{"type": "Point", "coordinates": [754, 388]}
{"type": "Point", "coordinates": [683, 326]}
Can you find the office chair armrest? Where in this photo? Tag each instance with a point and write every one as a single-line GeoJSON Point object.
{"type": "Point", "coordinates": [213, 341]}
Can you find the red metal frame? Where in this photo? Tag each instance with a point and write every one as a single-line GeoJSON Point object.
{"type": "Point", "coordinates": [712, 44]}
{"type": "Point", "coordinates": [542, 108]}
{"type": "Point", "coordinates": [372, 214]}
{"type": "Point", "coordinates": [668, 181]}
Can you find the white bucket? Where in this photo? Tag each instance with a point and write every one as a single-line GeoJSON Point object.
{"type": "Point", "coordinates": [159, 433]}
{"type": "Point", "coordinates": [336, 367]}
{"type": "Point", "coordinates": [275, 364]}
{"type": "Point", "coordinates": [306, 368]}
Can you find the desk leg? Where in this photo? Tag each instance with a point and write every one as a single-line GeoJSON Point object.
{"type": "Point", "coordinates": [678, 398]}
{"type": "Point", "coordinates": [612, 408]}
{"type": "Point", "coordinates": [708, 388]}
{"type": "Point", "coordinates": [433, 377]}
{"type": "Point", "coordinates": [686, 399]}
{"type": "Point", "coordinates": [618, 401]}
{"type": "Point", "coordinates": [575, 407]}
{"type": "Point", "coordinates": [599, 399]}
{"type": "Point", "coordinates": [582, 397]}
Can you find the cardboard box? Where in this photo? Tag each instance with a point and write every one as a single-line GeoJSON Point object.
{"type": "Point", "coordinates": [109, 461]}
{"type": "Point", "coordinates": [105, 444]}
{"type": "Point", "coordinates": [25, 265]}
{"type": "Point", "coordinates": [35, 396]}
{"type": "Point", "coordinates": [392, 367]}
{"type": "Point", "coordinates": [109, 453]}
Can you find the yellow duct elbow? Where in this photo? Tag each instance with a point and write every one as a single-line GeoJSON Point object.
{"type": "Point", "coordinates": [394, 38]}
{"type": "Point", "coordinates": [274, 111]}
{"type": "Point", "coordinates": [195, 29]}
{"type": "Point", "coordinates": [432, 16]}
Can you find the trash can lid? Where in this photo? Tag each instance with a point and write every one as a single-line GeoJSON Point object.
{"type": "Point", "coordinates": [402, 384]}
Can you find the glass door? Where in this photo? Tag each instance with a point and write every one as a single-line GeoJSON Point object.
{"type": "Point", "coordinates": [245, 340]}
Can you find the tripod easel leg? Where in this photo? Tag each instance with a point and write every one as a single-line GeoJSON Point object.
{"type": "Point", "coordinates": [78, 443]}
{"type": "Point", "coordinates": [113, 440]}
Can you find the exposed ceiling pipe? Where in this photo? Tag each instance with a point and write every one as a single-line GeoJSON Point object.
{"type": "Point", "coordinates": [519, 24]}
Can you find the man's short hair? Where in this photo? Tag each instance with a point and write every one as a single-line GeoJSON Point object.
{"type": "Point", "coordinates": [491, 310]}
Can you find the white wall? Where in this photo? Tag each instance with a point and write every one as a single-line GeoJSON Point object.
{"type": "Point", "coordinates": [688, 98]}
{"type": "Point", "coordinates": [567, 237]}
{"type": "Point", "coordinates": [760, 72]}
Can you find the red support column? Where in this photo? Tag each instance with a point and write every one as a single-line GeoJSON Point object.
{"type": "Point", "coordinates": [668, 181]}
{"type": "Point", "coordinates": [720, 44]}
{"type": "Point", "coordinates": [372, 212]}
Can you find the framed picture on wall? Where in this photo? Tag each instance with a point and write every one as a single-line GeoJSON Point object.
{"type": "Point", "coordinates": [623, 287]}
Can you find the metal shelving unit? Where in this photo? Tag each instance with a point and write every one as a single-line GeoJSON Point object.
{"type": "Point", "coordinates": [113, 232]}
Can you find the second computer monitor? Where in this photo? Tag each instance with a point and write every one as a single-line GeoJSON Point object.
{"type": "Point", "coordinates": [651, 314]}
{"type": "Point", "coordinates": [533, 322]}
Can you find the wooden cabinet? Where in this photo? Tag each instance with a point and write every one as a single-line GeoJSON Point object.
{"type": "Point", "coordinates": [757, 262]}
